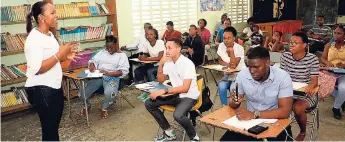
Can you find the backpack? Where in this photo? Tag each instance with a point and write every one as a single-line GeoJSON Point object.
{"type": "Point", "coordinates": [205, 106]}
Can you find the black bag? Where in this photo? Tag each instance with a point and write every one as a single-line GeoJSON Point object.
{"type": "Point", "coordinates": [205, 106]}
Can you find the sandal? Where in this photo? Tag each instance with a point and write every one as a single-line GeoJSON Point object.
{"type": "Point", "coordinates": [104, 114]}
{"type": "Point", "coordinates": [300, 136]}
{"type": "Point", "coordinates": [83, 111]}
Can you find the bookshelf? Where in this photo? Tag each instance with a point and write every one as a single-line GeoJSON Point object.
{"type": "Point", "coordinates": [7, 55]}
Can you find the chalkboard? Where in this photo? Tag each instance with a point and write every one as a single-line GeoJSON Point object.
{"type": "Point", "coordinates": [309, 9]}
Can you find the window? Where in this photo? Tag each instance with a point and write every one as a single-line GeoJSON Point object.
{"type": "Point", "coordinates": [159, 12]}
{"type": "Point", "coordinates": [238, 11]}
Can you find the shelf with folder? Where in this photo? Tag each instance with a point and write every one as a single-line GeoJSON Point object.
{"type": "Point", "coordinates": [16, 108]}
{"type": "Point", "coordinates": [13, 81]}
{"type": "Point", "coordinates": [6, 53]}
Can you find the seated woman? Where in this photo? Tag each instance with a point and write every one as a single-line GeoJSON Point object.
{"type": "Point", "coordinates": [274, 44]}
{"type": "Point", "coordinates": [231, 55]}
{"type": "Point", "coordinates": [203, 32]}
{"type": "Point", "coordinates": [334, 56]}
{"type": "Point", "coordinates": [303, 67]}
{"type": "Point", "coordinates": [219, 38]}
{"type": "Point", "coordinates": [171, 32]}
{"type": "Point", "coordinates": [153, 51]}
{"type": "Point", "coordinates": [114, 66]}
{"type": "Point", "coordinates": [196, 48]}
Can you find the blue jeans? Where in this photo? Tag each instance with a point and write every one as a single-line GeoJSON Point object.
{"type": "Point", "coordinates": [152, 73]}
{"type": "Point", "coordinates": [223, 86]}
{"type": "Point", "coordinates": [339, 94]}
{"type": "Point", "coordinates": [147, 69]}
{"type": "Point", "coordinates": [110, 91]}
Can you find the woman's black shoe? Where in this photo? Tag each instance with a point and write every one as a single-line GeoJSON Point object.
{"type": "Point", "coordinates": [336, 113]}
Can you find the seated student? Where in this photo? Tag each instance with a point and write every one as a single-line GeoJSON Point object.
{"type": "Point", "coordinates": [137, 44]}
{"type": "Point", "coordinates": [334, 56]}
{"type": "Point", "coordinates": [319, 34]}
{"type": "Point", "coordinates": [196, 48]}
{"type": "Point", "coordinates": [114, 66]}
{"type": "Point", "coordinates": [203, 32]}
{"type": "Point", "coordinates": [153, 51]}
{"type": "Point", "coordinates": [170, 32]}
{"type": "Point", "coordinates": [268, 91]}
{"type": "Point", "coordinates": [248, 31]}
{"type": "Point", "coordinates": [256, 38]}
{"type": "Point", "coordinates": [302, 67]}
{"type": "Point", "coordinates": [231, 55]}
{"type": "Point", "coordinates": [273, 44]}
{"type": "Point", "coordinates": [220, 38]}
{"type": "Point", "coordinates": [220, 25]}
{"type": "Point", "coordinates": [183, 94]}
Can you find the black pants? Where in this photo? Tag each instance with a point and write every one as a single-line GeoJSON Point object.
{"type": "Point", "coordinates": [316, 46]}
{"type": "Point", "coordinates": [183, 106]}
{"type": "Point", "coordinates": [141, 72]}
{"type": "Point", "coordinates": [130, 74]}
{"type": "Point", "coordinates": [233, 136]}
{"type": "Point", "coordinates": [48, 103]}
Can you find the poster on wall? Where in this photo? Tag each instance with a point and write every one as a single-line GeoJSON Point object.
{"type": "Point", "coordinates": [211, 5]}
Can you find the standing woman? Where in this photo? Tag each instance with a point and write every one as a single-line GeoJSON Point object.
{"type": "Point", "coordinates": [44, 74]}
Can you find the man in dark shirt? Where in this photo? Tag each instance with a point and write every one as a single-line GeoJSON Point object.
{"type": "Point", "coordinates": [195, 46]}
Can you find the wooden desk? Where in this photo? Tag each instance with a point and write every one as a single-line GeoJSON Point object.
{"type": "Point", "coordinates": [217, 117]}
{"type": "Point", "coordinates": [74, 75]}
{"type": "Point", "coordinates": [214, 67]}
{"type": "Point", "coordinates": [145, 62]}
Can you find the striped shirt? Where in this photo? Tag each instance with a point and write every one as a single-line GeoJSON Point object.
{"type": "Point", "coordinates": [324, 30]}
{"type": "Point", "coordinates": [300, 70]}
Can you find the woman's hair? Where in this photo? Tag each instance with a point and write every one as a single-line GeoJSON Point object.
{"type": "Point", "coordinates": [302, 35]}
{"type": "Point", "coordinates": [280, 33]}
{"type": "Point", "coordinates": [177, 41]}
{"type": "Point", "coordinates": [36, 10]}
{"type": "Point", "coordinates": [342, 27]}
{"type": "Point", "coordinates": [155, 31]}
{"type": "Point", "coordinates": [205, 22]}
{"type": "Point", "coordinates": [110, 39]}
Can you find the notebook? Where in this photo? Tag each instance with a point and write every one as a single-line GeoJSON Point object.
{"type": "Point", "coordinates": [246, 124]}
{"type": "Point", "coordinates": [338, 71]}
{"type": "Point", "coordinates": [298, 85]}
{"type": "Point", "coordinates": [88, 74]}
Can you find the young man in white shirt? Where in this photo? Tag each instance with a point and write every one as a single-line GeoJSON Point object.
{"type": "Point", "coordinates": [231, 55]}
{"type": "Point", "coordinates": [248, 31]}
{"type": "Point", "coordinates": [138, 44]}
{"type": "Point", "coordinates": [183, 94]}
{"type": "Point", "coordinates": [153, 51]}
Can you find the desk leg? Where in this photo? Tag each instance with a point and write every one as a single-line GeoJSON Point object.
{"type": "Point", "coordinates": [205, 75]}
{"type": "Point", "coordinates": [214, 78]}
{"type": "Point", "coordinates": [68, 97]}
{"type": "Point", "coordinates": [86, 109]}
{"type": "Point", "coordinates": [214, 132]}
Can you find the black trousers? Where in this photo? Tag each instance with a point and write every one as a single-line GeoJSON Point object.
{"type": "Point", "coordinates": [233, 136]}
{"type": "Point", "coordinates": [48, 103]}
{"type": "Point", "coordinates": [141, 72]}
{"type": "Point", "coordinates": [130, 74]}
{"type": "Point", "coordinates": [316, 46]}
{"type": "Point", "coordinates": [183, 106]}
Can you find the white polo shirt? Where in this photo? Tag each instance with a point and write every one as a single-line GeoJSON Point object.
{"type": "Point", "coordinates": [139, 43]}
{"type": "Point", "coordinates": [183, 69]}
{"type": "Point", "coordinates": [238, 51]}
{"type": "Point", "coordinates": [249, 32]}
{"type": "Point", "coordinates": [39, 47]}
{"type": "Point", "coordinates": [154, 50]}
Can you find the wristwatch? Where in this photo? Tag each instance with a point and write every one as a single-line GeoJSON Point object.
{"type": "Point", "coordinates": [256, 114]}
{"type": "Point", "coordinates": [166, 91]}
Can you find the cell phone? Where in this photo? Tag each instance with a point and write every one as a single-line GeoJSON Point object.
{"type": "Point", "coordinates": [257, 129]}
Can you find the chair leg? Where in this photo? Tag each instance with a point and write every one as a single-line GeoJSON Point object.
{"type": "Point", "coordinates": [318, 118]}
{"type": "Point", "coordinates": [205, 75]}
{"type": "Point", "coordinates": [124, 97]}
{"type": "Point", "coordinates": [214, 99]}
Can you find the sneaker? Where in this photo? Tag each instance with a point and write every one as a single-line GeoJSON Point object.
{"type": "Point", "coordinates": [336, 113]}
{"type": "Point", "coordinates": [164, 138]}
{"type": "Point", "coordinates": [142, 95]}
{"type": "Point", "coordinates": [195, 139]}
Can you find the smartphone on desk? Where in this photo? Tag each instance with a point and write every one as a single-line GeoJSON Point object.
{"type": "Point", "coordinates": [257, 129]}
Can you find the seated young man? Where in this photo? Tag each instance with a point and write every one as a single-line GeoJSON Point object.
{"type": "Point", "coordinates": [196, 48]}
{"type": "Point", "coordinates": [138, 44]}
{"type": "Point", "coordinates": [231, 55]}
{"type": "Point", "coordinates": [273, 44]}
{"type": "Point", "coordinates": [302, 67]}
{"type": "Point", "coordinates": [114, 66]}
{"type": "Point", "coordinates": [153, 51]}
{"type": "Point", "coordinates": [183, 94]}
{"type": "Point", "coordinates": [170, 32]}
{"type": "Point", "coordinates": [256, 38]}
{"type": "Point", "coordinates": [320, 35]}
{"type": "Point", "coordinates": [268, 91]}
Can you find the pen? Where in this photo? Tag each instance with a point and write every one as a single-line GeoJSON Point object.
{"type": "Point", "coordinates": [236, 93]}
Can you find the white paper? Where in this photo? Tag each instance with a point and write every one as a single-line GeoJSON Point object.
{"type": "Point", "coordinates": [246, 124]}
{"type": "Point", "coordinates": [96, 73]}
{"type": "Point", "coordinates": [298, 85]}
{"type": "Point", "coordinates": [143, 86]}
{"type": "Point", "coordinates": [135, 59]}
{"type": "Point", "coordinates": [218, 67]}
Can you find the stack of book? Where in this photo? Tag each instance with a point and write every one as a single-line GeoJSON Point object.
{"type": "Point", "coordinates": [14, 13]}
{"type": "Point", "coordinates": [12, 42]}
{"type": "Point", "coordinates": [15, 96]}
{"type": "Point", "coordinates": [77, 9]}
{"type": "Point", "coordinates": [11, 72]}
{"type": "Point", "coordinates": [85, 33]}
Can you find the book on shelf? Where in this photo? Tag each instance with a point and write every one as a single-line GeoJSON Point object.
{"type": "Point", "coordinates": [77, 9]}
{"type": "Point", "coordinates": [14, 13]}
{"type": "Point", "coordinates": [12, 72]}
{"type": "Point", "coordinates": [12, 42]}
{"type": "Point", "coordinates": [14, 96]}
{"type": "Point", "coordinates": [81, 33]}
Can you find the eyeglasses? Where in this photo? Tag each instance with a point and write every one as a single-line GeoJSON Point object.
{"type": "Point", "coordinates": [294, 43]}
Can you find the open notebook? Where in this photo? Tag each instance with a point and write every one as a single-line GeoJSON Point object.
{"type": "Point", "coordinates": [88, 74]}
{"type": "Point", "coordinates": [246, 124]}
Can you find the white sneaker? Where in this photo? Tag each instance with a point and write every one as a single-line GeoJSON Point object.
{"type": "Point", "coordinates": [165, 138]}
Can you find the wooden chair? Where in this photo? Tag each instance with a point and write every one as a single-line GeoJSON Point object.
{"type": "Point", "coordinates": [164, 108]}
